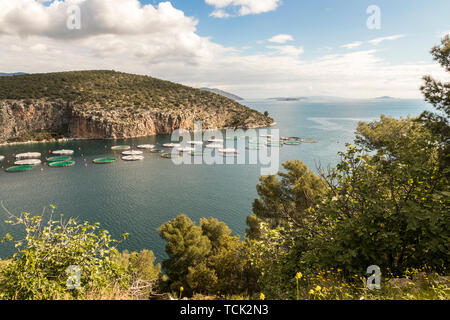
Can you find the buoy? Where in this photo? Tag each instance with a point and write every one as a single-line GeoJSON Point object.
{"type": "Point", "coordinates": [63, 152]}
{"type": "Point", "coordinates": [133, 158]}
{"type": "Point", "coordinates": [29, 162]}
{"type": "Point", "coordinates": [120, 148]}
{"type": "Point", "coordinates": [28, 155]}
{"type": "Point", "coordinates": [104, 160]}
{"type": "Point", "coordinates": [132, 153]}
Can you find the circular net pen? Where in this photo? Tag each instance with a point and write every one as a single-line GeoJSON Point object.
{"type": "Point", "coordinates": [104, 160]}
{"type": "Point", "coordinates": [120, 148]}
{"type": "Point", "coordinates": [62, 164]}
{"type": "Point", "coordinates": [20, 168]}
{"type": "Point", "coordinates": [59, 159]}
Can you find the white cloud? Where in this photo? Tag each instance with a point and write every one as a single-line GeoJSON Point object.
{"type": "Point", "coordinates": [288, 50]}
{"type": "Point", "coordinates": [352, 45]}
{"type": "Point", "coordinates": [162, 42]}
{"type": "Point", "coordinates": [377, 41]}
{"type": "Point", "coordinates": [243, 7]}
{"type": "Point", "coordinates": [281, 38]}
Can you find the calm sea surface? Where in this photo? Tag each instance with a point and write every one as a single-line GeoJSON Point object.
{"type": "Point", "coordinates": [138, 197]}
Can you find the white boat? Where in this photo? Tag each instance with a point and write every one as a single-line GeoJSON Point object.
{"type": "Point", "coordinates": [195, 143]}
{"type": "Point", "coordinates": [214, 146]}
{"type": "Point", "coordinates": [187, 149]}
{"type": "Point", "coordinates": [29, 162]}
{"type": "Point", "coordinates": [215, 140]}
{"type": "Point", "coordinates": [146, 146]}
{"type": "Point", "coordinates": [132, 153]}
{"type": "Point", "coordinates": [28, 155]}
{"type": "Point", "coordinates": [133, 158]}
{"type": "Point", "coordinates": [63, 152]}
{"type": "Point", "coordinates": [2, 158]}
{"type": "Point", "coordinates": [171, 145]}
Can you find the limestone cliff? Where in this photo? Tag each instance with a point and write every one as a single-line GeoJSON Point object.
{"type": "Point", "coordinates": [106, 104]}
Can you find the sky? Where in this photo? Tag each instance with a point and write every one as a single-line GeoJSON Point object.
{"type": "Point", "coordinates": [252, 48]}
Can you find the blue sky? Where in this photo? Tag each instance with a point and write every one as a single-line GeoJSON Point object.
{"type": "Point", "coordinates": [320, 47]}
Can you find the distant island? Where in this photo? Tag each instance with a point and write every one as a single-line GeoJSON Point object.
{"type": "Point", "coordinates": [288, 99]}
{"type": "Point", "coordinates": [384, 98]}
{"type": "Point", "coordinates": [109, 104]}
{"type": "Point", "coordinates": [224, 93]}
{"type": "Point", "coordinates": [11, 74]}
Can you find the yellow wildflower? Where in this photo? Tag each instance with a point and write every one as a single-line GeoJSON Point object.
{"type": "Point", "coordinates": [311, 291]}
{"type": "Point", "coordinates": [262, 296]}
{"type": "Point", "coordinates": [298, 276]}
{"type": "Point", "coordinates": [318, 288]}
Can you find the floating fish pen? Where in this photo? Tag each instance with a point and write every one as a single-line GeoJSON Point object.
{"type": "Point", "coordinates": [253, 148]}
{"type": "Point", "coordinates": [20, 168]}
{"type": "Point", "coordinates": [120, 148]}
{"type": "Point", "coordinates": [104, 160]}
{"type": "Point", "coordinates": [274, 144]}
{"type": "Point", "coordinates": [62, 164]}
{"type": "Point", "coordinates": [292, 143]}
{"type": "Point", "coordinates": [29, 162]}
{"type": "Point", "coordinates": [132, 153]}
{"type": "Point", "coordinates": [156, 151]}
{"type": "Point", "coordinates": [309, 141]}
{"type": "Point", "coordinates": [171, 145]}
{"type": "Point", "coordinates": [28, 155]}
{"type": "Point", "coordinates": [195, 143]}
{"type": "Point", "coordinates": [133, 158]}
{"type": "Point", "coordinates": [63, 152]}
{"type": "Point", "coordinates": [146, 146]}
{"type": "Point", "coordinates": [214, 146]}
{"type": "Point", "coordinates": [59, 159]}
{"type": "Point", "coordinates": [197, 153]}
{"type": "Point", "coordinates": [228, 151]}
{"type": "Point", "coordinates": [169, 155]}
{"type": "Point", "coordinates": [2, 158]}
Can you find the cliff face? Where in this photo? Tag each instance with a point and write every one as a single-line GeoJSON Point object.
{"type": "Point", "coordinates": [108, 104]}
{"type": "Point", "coordinates": [18, 118]}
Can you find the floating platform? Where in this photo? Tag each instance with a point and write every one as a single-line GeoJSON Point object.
{"type": "Point", "coordinates": [29, 162]}
{"type": "Point", "coordinates": [214, 146]}
{"type": "Point", "coordinates": [169, 156]}
{"type": "Point", "coordinates": [195, 143]}
{"type": "Point", "coordinates": [187, 149]}
{"type": "Point", "coordinates": [61, 164]}
{"type": "Point", "coordinates": [292, 143]}
{"type": "Point", "coordinates": [20, 168]}
{"type": "Point", "coordinates": [28, 155]}
{"type": "Point", "coordinates": [133, 158]}
{"type": "Point", "coordinates": [228, 151]}
{"type": "Point", "coordinates": [63, 152]}
{"type": "Point", "coordinates": [196, 153]}
{"type": "Point", "coordinates": [274, 144]}
{"type": "Point", "coordinates": [171, 145]}
{"type": "Point", "coordinates": [104, 160]}
{"type": "Point", "coordinates": [156, 151]}
{"type": "Point", "coordinates": [120, 148]}
{"type": "Point", "coordinates": [59, 159]}
{"type": "Point", "coordinates": [146, 146]}
{"type": "Point", "coordinates": [132, 153]}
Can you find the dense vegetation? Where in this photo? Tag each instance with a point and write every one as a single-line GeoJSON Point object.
{"type": "Point", "coordinates": [311, 236]}
{"type": "Point", "coordinates": [110, 90]}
